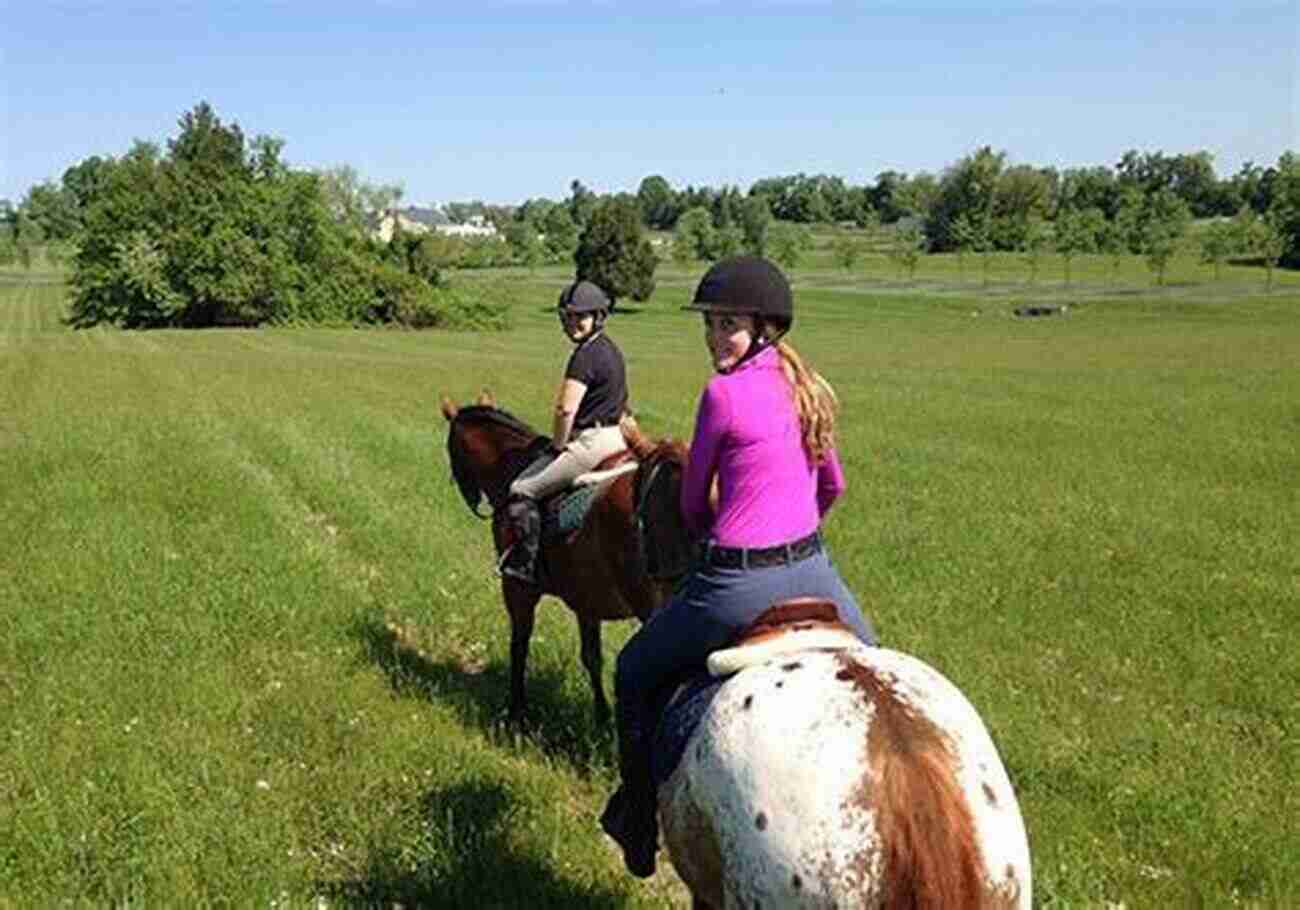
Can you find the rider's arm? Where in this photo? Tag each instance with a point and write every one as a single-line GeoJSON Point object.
{"type": "Point", "coordinates": [567, 400]}
{"type": "Point", "coordinates": [710, 425]}
{"type": "Point", "coordinates": [830, 481]}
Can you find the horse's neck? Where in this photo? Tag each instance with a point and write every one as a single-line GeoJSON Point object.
{"type": "Point", "coordinates": [511, 458]}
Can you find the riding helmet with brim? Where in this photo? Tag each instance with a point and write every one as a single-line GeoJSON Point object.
{"type": "Point", "coordinates": [746, 285]}
{"type": "Point", "coordinates": [583, 297]}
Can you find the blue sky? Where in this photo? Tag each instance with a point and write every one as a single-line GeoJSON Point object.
{"type": "Point", "coordinates": [502, 101]}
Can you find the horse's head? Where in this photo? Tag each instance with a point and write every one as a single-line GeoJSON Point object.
{"type": "Point", "coordinates": [664, 544]}
{"type": "Point", "coordinates": [485, 445]}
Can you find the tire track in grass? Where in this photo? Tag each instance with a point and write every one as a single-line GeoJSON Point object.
{"type": "Point", "coordinates": [333, 497]}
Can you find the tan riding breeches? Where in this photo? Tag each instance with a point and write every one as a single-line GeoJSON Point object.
{"type": "Point", "coordinates": [584, 451]}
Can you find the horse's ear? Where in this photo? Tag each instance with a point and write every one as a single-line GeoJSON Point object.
{"type": "Point", "coordinates": [449, 409]}
{"type": "Point", "coordinates": [487, 399]}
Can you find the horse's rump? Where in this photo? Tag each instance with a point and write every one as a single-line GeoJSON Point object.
{"type": "Point", "coordinates": [852, 776]}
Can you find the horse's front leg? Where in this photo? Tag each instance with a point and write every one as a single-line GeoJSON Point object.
{"type": "Point", "coordinates": [521, 604]}
{"type": "Point", "coordinates": [589, 631]}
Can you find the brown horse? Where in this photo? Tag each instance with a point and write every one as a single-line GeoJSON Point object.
{"type": "Point", "coordinates": [608, 568]}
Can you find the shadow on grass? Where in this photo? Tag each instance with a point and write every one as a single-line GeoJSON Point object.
{"type": "Point", "coordinates": [467, 859]}
{"type": "Point", "coordinates": [559, 724]}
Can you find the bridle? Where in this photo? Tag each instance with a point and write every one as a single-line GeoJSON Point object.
{"type": "Point", "coordinates": [462, 471]}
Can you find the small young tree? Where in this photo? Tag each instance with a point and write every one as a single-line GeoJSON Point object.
{"type": "Point", "coordinates": [1123, 235]}
{"type": "Point", "coordinates": [1110, 242]}
{"type": "Point", "coordinates": [906, 250]}
{"type": "Point", "coordinates": [1164, 221]}
{"type": "Point", "coordinates": [1034, 240]}
{"type": "Point", "coordinates": [963, 240]}
{"type": "Point", "coordinates": [614, 253]}
{"type": "Point", "coordinates": [694, 233]}
{"type": "Point", "coordinates": [982, 243]}
{"type": "Point", "coordinates": [847, 251]}
{"type": "Point", "coordinates": [1218, 242]}
{"type": "Point", "coordinates": [1076, 232]}
{"type": "Point", "coordinates": [1265, 238]}
{"type": "Point", "coordinates": [788, 242]}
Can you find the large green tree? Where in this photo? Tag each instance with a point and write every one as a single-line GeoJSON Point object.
{"type": "Point", "coordinates": [52, 210]}
{"type": "Point", "coordinates": [1284, 207]}
{"type": "Point", "coordinates": [966, 188]}
{"type": "Point", "coordinates": [658, 203]}
{"type": "Point", "coordinates": [355, 202]}
{"type": "Point", "coordinates": [613, 251]}
{"type": "Point", "coordinates": [219, 231]}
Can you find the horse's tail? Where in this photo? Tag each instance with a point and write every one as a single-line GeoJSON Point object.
{"type": "Point", "coordinates": [932, 855]}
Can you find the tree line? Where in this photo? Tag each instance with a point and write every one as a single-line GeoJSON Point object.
{"type": "Point", "coordinates": [980, 204]}
{"type": "Point", "coordinates": [218, 230]}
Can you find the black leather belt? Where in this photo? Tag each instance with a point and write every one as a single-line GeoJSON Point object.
{"type": "Point", "coordinates": [761, 557]}
{"type": "Point", "coordinates": [594, 425]}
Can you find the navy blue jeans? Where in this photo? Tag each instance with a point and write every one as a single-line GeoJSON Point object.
{"type": "Point", "coordinates": [713, 606]}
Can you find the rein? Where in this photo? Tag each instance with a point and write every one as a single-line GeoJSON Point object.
{"type": "Point", "coordinates": [644, 489]}
{"type": "Point", "coordinates": [638, 517]}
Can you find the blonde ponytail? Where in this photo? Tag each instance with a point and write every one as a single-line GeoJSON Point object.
{"type": "Point", "coordinates": [815, 401]}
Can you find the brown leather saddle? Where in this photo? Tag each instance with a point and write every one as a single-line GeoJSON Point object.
{"type": "Point", "coordinates": [785, 627]}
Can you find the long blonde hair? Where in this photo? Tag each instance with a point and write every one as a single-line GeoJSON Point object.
{"type": "Point", "coordinates": [814, 399]}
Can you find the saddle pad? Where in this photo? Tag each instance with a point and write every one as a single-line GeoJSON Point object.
{"type": "Point", "coordinates": [564, 513]}
{"type": "Point", "coordinates": [733, 660]}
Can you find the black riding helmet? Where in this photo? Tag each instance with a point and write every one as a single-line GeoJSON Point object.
{"type": "Point", "coordinates": [583, 297]}
{"type": "Point", "coordinates": [748, 286]}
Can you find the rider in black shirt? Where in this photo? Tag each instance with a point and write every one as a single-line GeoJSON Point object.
{"type": "Point", "coordinates": [591, 399]}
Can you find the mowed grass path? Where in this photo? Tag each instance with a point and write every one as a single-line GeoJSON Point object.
{"type": "Point", "coordinates": [252, 649]}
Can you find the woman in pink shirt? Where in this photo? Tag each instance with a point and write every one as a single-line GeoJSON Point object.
{"type": "Point", "coordinates": [765, 432]}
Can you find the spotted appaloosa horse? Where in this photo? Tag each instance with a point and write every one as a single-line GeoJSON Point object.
{"type": "Point", "coordinates": [829, 774]}
{"type": "Point", "coordinates": [608, 569]}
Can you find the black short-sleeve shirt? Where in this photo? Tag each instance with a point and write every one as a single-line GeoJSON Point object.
{"type": "Point", "coordinates": [598, 364]}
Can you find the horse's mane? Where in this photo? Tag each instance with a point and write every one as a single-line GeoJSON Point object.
{"type": "Point", "coordinates": [486, 413]}
{"type": "Point", "coordinates": [528, 440]}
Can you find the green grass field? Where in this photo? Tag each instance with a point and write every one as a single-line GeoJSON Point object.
{"type": "Point", "coordinates": [253, 651]}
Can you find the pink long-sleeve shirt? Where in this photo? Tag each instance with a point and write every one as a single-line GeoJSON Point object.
{"type": "Point", "coordinates": [747, 434]}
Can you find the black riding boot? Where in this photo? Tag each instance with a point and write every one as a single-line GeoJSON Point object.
{"type": "Point", "coordinates": [524, 527]}
{"type": "Point", "coordinates": [631, 817]}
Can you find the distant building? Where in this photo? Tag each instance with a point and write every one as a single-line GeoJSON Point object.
{"type": "Point", "coordinates": [415, 220]}
{"type": "Point", "coordinates": [477, 226]}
